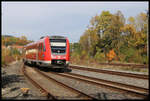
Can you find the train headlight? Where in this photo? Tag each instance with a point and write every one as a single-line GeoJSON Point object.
{"type": "Point", "coordinates": [67, 62]}
{"type": "Point", "coordinates": [64, 56]}
{"type": "Point", "coordinates": [58, 57]}
{"type": "Point", "coordinates": [53, 56]}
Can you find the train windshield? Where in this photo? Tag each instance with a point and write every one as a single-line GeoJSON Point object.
{"type": "Point", "coordinates": [58, 46]}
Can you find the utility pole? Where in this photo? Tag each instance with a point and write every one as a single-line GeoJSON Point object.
{"type": "Point", "coordinates": [5, 45]}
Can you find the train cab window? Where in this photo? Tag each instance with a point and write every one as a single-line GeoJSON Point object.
{"type": "Point", "coordinates": [58, 46]}
{"type": "Point", "coordinates": [39, 47]}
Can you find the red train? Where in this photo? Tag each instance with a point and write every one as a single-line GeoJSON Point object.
{"type": "Point", "coordinates": [50, 51]}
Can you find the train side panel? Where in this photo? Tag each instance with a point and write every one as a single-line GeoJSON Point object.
{"type": "Point", "coordinates": [67, 51]}
{"type": "Point", "coordinates": [48, 50]}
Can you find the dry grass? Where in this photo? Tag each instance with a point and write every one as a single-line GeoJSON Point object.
{"type": "Point", "coordinates": [7, 57]}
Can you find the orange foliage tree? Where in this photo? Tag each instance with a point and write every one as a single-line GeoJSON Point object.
{"type": "Point", "coordinates": [111, 54]}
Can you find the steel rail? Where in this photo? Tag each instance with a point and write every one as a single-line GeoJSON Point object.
{"type": "Point", "coordinates": [126, 86]}
{"type": "Point", "coordinates": [139, 76]}
{"type": "Point", "coordinates": [43, 91]}
{"type": "Point", "coordinates": [132, 65]}
{"type": "Point", "coordinates": [110, 86]}
{"type": "Point", "coordinates": [64, 85]}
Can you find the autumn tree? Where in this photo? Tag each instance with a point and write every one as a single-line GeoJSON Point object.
{"type": "Point", "coordinates": [118, 21]}
{"type": "Point", "coordinates": [107, 32]}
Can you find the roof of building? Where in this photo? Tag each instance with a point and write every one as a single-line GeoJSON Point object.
{"type": "Point", "coordinates": [16, 46]}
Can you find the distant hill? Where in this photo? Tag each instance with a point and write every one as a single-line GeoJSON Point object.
{"type": "Point", "coordinates": [7, 36]}
{"type": "Point", "coordinates": [12, 40]}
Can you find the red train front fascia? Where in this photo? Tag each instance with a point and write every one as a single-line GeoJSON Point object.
{"type": "Point", "coordinates": [48, 51]}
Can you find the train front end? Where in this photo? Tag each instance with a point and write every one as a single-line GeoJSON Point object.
{"type": "Point", "coordinates": [59, 50]}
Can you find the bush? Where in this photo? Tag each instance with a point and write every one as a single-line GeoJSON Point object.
{"type": "Point", "coordinates": [9, 55]}
{"type": "Point", "coordinates": [3, 62]}
{"type": "Point", "coordinates": [14, 51]}
{"type": "Point", "coordinates": [145, 59]}
{"type": "Point", "coordinates": [100, 57]}
{"type": "Point", "coordinates": [74, 58]}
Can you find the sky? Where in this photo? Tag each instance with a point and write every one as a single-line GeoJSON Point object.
{"type": "Point", "coordinates": [69, 19]}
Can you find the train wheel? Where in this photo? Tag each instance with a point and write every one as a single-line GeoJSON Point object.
{"type": "Point", "coordinates": [34, 63]}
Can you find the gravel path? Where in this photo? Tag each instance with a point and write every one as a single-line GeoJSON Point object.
{"type": "Point", "coordinates": [115, 78]}
{"type": "Point", "coordinates": [13, 81]}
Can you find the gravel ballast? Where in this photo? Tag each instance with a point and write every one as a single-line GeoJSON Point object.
{"type": "Point", "coordinates": [96, 91]}
{"type": "Point", "coordinates": [12, 82]}
{"type": "Point", "coordinates": [51, 86]}
{"type": "Point", "coordinates": [115, 78]}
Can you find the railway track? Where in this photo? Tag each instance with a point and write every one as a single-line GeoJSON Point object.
{"type": "Point", "coordinates": [48, 94]}
{"type": "Point", "coordinates": [125, 88]}
{"type": "Point", "coordinates": [139, 76]}
{"type": "Point", "coordinates": [130, 89]}
{"type": "Point", "coordinates": [131, 65]}
{"type": "Point", "coordinates": [44, 92]}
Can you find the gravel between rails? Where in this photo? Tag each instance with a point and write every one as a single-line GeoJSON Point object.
{"type": "Point", "coordinates": [115, 78]}
{"type": "Point", "coordinates": [93, 90]}
{"type": "Point", "coordinates": [56, 90]}
{"type": "Point", "coordinates": [103, 67]}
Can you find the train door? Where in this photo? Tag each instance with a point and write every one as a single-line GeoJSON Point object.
{"type": "Point", "coordinates": [41, 52]}
{"type": "Point", "coordinates": [37, 51]}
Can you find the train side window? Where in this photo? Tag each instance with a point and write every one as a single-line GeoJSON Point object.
{"type": "Point", "coordinates": [44, 48]}
{"type": "Point", "coordinates": [40, 47]}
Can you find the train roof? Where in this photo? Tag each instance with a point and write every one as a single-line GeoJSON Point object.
{"type": "Point", "coordinates": [54, 37]}
{"type": "Point", "coordinates": [57, 37]}
{"type": "Point", "coordinates": [50, 37]}
{"type": "Point", "coordinates": [30, 44]}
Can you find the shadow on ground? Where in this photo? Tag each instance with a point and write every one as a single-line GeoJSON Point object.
{"type": "Point", "coordinates": [49, 69]}
{"type": "Point", "coordinates": [12, 78]}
